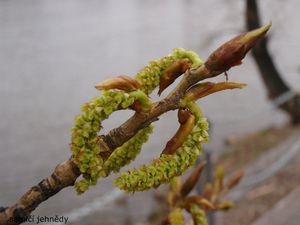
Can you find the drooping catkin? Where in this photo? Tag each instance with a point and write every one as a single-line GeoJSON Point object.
{"type": "Point", "coordinates": [84, 139]}
{"type": "Point", "coordinates": [166, 167]}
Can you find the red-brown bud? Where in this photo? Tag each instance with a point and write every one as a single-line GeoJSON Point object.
{"type": "Point", "coordinates": [232, 52]}
{"type": "Point", "coordinates": [191, 181]}
{"type": "Point", "coordinates": [172, 73]}
{"type": "Point", "coordinates": [186, 120]}
{"type": "Point", "coordinates": [199, 201]}
{"type": "Point", "coordinates": [226, 205]}
{"type": "Point", "coordinates": [218, 180]}
{"type": "Point", "coordinates": [234, 180]}
{"type": "Point", "coordinates": [123, 82]}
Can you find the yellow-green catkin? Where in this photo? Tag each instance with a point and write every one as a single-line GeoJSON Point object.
{"type": "Point", "coordinates": [181, 53]}
{"type": "Point", "coordinates": [149, 76]}
{"type": "Point", "coordinates": [166, 167]}
{"type": "Point", "coordinates": [84, 140]}
{"type": "Point", "coordinates": [176, 217]}
{"type": "Point", "coordinates": [127, 152]}
{"type": "Point", "coordinates": [198, 214]}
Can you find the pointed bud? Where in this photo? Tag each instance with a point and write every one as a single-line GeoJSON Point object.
{"type": "Point", "coordinates": [203, 89]}
{"type": "Point", "coordinates": [232, 52]}
{"type": "Point", "coordinates": [183, 131]}
{"type": "Point", "coordinates": [226, 205]}
{"type": "Point", "coordinates": [234, 180]}
{"type": "Point", "coordinates": [172, 73]}
{"type": "Point", "coordinates": [218, 180]}
{"type": "Point", "coordinates": [123, 82]}
{"type": "Point", "coordinates": [191, 181]}
{"type": "Point", "coordinates": [198, 200]}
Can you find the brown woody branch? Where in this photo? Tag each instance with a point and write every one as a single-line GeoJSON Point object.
{"type": "Point", "coordinates": [66, 173]}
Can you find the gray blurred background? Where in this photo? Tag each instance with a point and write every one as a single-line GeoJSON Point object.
{"type": "Point", "coordinates": [53, 52]}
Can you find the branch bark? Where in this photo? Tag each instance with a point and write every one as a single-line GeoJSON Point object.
{"type": "Point", "coordinates": [270, 75]}
{"type": "Point", "coordinates": [64, 175]}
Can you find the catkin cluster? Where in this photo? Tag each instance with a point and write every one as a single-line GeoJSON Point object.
{"type": "Point", "coordinates": [84, 139]}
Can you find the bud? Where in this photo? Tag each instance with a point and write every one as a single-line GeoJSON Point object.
{"type": "Point", "coordinates": [198, 200]}
{"type": "Point", "coordinates": [123, 82]}
{"type": "Point", "coordinates": [187, 121]}
{"type": "Point", "coordinates": [234, 180]}
{"type": "Point", "coordinates": [189, 184]}
{"type": "Point", "coordinates": [172, 73]}
{"type": "Point", "coordinates": [218, 180]}
{"type": "Point", "coordinates": [203, 89]}
{"type": "Point", "coordinates": [232, 52]}
{"type": "Point", "coordinates": [226, 205]}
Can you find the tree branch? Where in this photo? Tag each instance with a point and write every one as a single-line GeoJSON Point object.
{"type": "Point", "coordinates": [66, 173]}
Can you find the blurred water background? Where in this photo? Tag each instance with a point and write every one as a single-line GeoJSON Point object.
{"type": "Point", "coordinates": [53, 52]}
